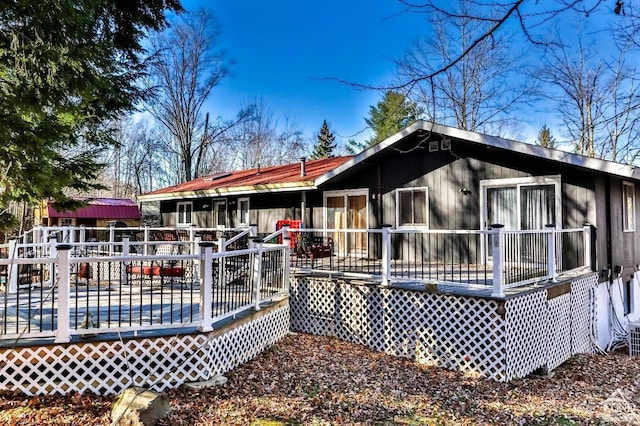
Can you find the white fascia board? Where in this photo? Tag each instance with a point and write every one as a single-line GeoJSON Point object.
{"type": "Point", "coordinates": [605, 166]}
{"type": "Point", "coordinates": [245, 190]}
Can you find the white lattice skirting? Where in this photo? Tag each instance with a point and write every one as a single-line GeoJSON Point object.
{"type": "Point", "coordinates": [158, 363]}
{"type": "Point", "coordinates": [499, 339]}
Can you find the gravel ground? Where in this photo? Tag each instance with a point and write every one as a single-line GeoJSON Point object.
{"type": "Point", "coordinates": [311, 380]}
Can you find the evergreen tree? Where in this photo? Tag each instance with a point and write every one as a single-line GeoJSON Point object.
{"type": "Point", "coordinates": [545, 138]}
{"type": "Point", "coordinates": [324, 146]}
{"type": "Point", "coordinates": [392, 114]}
{"type": "Point", "coordinates": [66, 68]}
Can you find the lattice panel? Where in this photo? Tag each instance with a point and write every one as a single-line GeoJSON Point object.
{"type": "Point", "coordinates": [463, 333]}
{"type": "Point", "coordinates": [457, 332]}
{"type": "Point", "coordinates": [312, 306]}
{"type": "Point", "coordinates": [527, 330]}
{"type": "Point", "coordinates": [159, 363]}
{"type": "Point", "coordinates": [559, 347]}
{"type": "Point", "coordinates": [583, 314]}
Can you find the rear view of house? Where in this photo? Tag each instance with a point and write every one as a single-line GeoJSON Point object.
{"type": "Point", "coordinates": [429, 177]}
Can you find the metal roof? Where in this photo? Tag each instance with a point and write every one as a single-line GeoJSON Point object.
{"type": "Point", "coordinates": [100, 208]}
{"type": "Point", "coordinates": [285, 177]}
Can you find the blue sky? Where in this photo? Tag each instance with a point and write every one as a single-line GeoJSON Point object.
{"type": "Point", "coordinates": [284, 49]}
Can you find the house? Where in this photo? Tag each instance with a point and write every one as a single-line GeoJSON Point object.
{"type": "Point", "coordinates": [428, 176]}
{"type": "Point", "coordinates": [98, 212]}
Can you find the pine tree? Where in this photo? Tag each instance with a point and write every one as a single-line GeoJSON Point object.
{"type": "Point", "coordinates": [324, 146]}
{"type": "Point", "coordinates": [67, 68]}
{"type": "Point", "coordinates": [545, 139]}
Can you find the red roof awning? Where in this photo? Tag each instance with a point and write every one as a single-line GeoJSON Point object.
{"type": "Point", "coordinates": [101, 208]}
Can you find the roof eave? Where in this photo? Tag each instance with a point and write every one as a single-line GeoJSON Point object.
{"type": "Point", "coordinates": [595, 164]}
{"type": "Point", "coordinates": [232, 191]}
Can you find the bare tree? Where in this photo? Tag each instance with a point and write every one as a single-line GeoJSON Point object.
{"type": "Point", "coordinates": [621, 140]}
{"type": "Point", "coordinates": [532, 18]}
{"type": "Point", "coordinates": [476, 91]}
{"type": "Point", "coordinates": [595, 98]}
{"type": "Point", "coordinates": [188, 65]}
{"type": "Point", "coordinates": [261, 142]}
{"type": "Point", "coordinates": [576, 82]}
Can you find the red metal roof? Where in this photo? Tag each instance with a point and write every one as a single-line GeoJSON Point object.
{"type": "Point", "coordinates": [101, 208]}
{"type": "Point", "coordinates": [275, 175]}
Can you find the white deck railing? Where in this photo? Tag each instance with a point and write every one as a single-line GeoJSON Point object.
{"type": "Point", "coordinates": [499, 258]}
{"type": "Point", "coordinates": [91, 288]}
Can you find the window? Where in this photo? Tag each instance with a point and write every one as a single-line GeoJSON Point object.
{"type": "Point", "coordinates": [243, 211]}
{"type": "Point", "coordinates": [412, 207]}
{"type": "Point", "coordinates": [628, 207]}
{"type": "Point", "coordinates": [67, 222]}
{"type": "Point", "coordinates": [521, 203]}
{"type": "Point", "coordinates": [220, 214]}
{"type": "Point", "coordinates": [184, 213]}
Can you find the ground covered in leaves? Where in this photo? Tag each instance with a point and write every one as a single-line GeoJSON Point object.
{"type": "Point", "coordinates": [310, 380]}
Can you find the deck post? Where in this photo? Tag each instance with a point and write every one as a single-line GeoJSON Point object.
{"type": "Point", "coordinates": [498, 259]}
{"type": "Point", "coordinates": [63, 331]}
{"type": "Point", "coordinates": [192, 232]}
{"type": "Point", "coordinates": [286, 260]}
{"type": "Point", "coordinates": [206, 273]}
{"type": "Point", "coordinates": [386, 254]}
{"type": "Point", "coordinates": [221, 268]}
{"type": "Point", "coordinates": [112, 237]}
{"type": "Point", "coordinates": [551, 253]}
{"type": "Point", "coordinates": [53, 254]}
{"type": "Point", "coordinates": [257, 271]}
{"type": "Point", "coordinates": [83, 234]}
{"type": "Point", "coordinates": [146, 239]}
{"type": "Point", "coordinates": [253, 231]}
{"type": "Point", "coordinates": [195, 249]}
{"type": "Point", "coordinates": [125, 252]}
{"type": "Point", "coordinates": [12, 285]}
{"type": "Point", "coordinates": [587, 245]}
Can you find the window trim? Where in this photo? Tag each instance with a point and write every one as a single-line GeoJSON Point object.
{"type": "Point", "coordinates": [239, 212]}
{"type": "Point", "coordinates": [184, 203]}
{"type": "Point", "coordinates": [426, 207]}
{"type": "Point", "coordinates": [628, 227]}
{"type": "Point", "coordinates": [215, 205]}
{"type": "Point", "coordinates": [555, 180]}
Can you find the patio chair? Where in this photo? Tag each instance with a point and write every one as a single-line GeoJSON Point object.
{"type": "Point", "coordinates": [161, 269]}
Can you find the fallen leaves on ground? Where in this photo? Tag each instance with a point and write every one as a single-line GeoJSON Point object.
{"type": "Point", "coordinates": [312, 380]}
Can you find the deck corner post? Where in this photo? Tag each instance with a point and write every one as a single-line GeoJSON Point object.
{"type": "Point", "coordinates": [63, 330]}
{"type": "Point", "coordinates": [386, 254]}
{"type": "Point", "coordinates": [587, 245]}
{"type": "Point", "coordinates": [551, 253]}
{"type": "Point", "coordinates": [286, 263]}
{"type": "Point", "coordinates": [257, 271]}
{"type": "Point", "coordinates": [206, 288]}
{"type": "Point", "coordinates": [498, 259]}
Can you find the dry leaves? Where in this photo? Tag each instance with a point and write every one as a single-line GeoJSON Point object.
{"type": "Point", "coordinates": [311, 380]}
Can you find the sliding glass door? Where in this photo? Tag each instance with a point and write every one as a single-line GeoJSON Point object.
{"type": "Point", "coordinates": [521, 204]}
{"type": "Point", "coordinates": [347, 210]}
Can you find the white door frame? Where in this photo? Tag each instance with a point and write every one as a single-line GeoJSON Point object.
{"type": "Point", "coordinates": [516, 182]}
{"type": "Point", "coordinates": [346, 193]}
